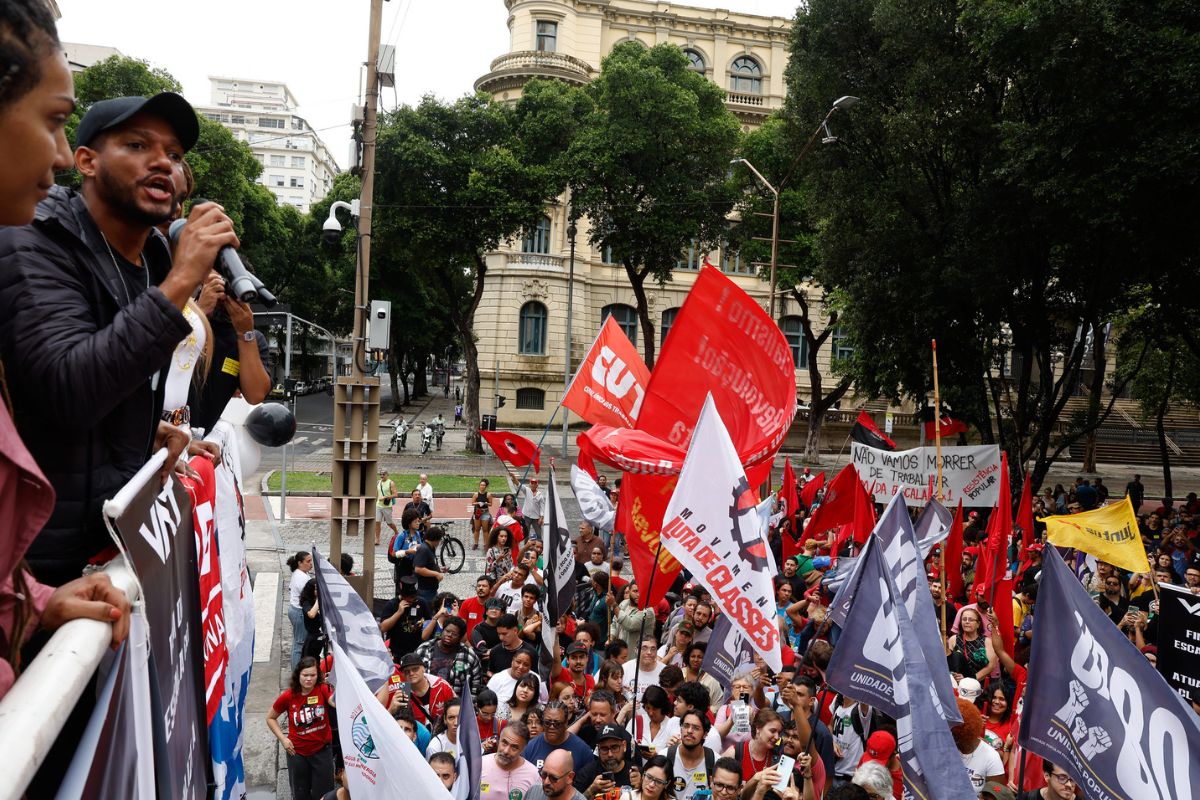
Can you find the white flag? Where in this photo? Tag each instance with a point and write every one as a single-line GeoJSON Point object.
{"type": "Point", "coordinates": [712, 528]}
{"type": "Point", "coordinates": [381, 761]}
{"type": "Point", "coordinates": [594, 505]}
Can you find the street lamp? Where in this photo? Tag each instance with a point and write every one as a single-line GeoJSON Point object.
{"type": "Point", "coordinates": [842, 103]}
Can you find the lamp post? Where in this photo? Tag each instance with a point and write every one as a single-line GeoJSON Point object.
{"type": "Point", "coordinates": [571, 231]}
{"type": "Point", "coordinates": [844, 102]}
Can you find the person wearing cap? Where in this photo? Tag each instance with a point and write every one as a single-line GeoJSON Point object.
{"type": "Point", "coordinates": [85, 380]}
{"type": "Point", "coordinates": [428, 694]}
{"type": "Point", "coordinates": [610, 769]}
{"type": "Point", "coordinates": [405, 618]}
{"type": "Point", "coordinates": [575, 673]}
{"type": "Point", "coordinates": [385, 501]}
{"type": "Point", "coordinates": [533, 505]}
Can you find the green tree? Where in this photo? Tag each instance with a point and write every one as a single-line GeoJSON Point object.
{"type": "Point", "coordinates": [998, 189]}
{"type": "Point", "coordinates": [650, 164]}
{"type": "Point", "coordinates": [454, 180]}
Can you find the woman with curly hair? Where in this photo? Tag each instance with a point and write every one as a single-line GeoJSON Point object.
{"type": "Point", "coordinates": [982, 761]}
{"type": "Point", "coordinates": [499, 554]}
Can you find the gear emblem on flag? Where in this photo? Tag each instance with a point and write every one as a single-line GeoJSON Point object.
{"type": "Point", "coordinates": [745, 534]}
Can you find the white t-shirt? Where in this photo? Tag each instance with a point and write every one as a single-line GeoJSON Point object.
{"type": "Point", "coordinates": [511, 597]}
{"type": "Point", "coordinates": [688, 781]}
{"type": "Point", "coordinates": [441, 744]}
{"type": "Point", "coordinates": [641, 731]}
{"type": "Point", "coordinates": [503, 684]}
{"type": "Point", "coordinates": [426, 491]}
{"type": "Point", "coordinates": [981, 763]}
{"type": "Point", "coordinates": [676, 659]}
{"type": "Point", "coordinates": [644, 678]}
{"type": "Point", "coordinates": [299, 578]}
{"type": "Point", "coordinates": [846, 738]}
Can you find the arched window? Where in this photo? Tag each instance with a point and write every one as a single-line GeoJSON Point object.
{"type": "Point", "coordinates": [745, 76]}
{"type": "Point", "coordinates": [626, 317]}
{"type": "Point", "coordinates": [532, 341]}
{"type": "Point", "coordinates": [793, 329]}
{"type": "Point", "coordinates": [531, 398]}
{"type": "Point", "coordinates": [695, 60]}
{"type": "Point", "coordinates": [668, 319]}
{"type": "Point", "coordinates": [537, 238]}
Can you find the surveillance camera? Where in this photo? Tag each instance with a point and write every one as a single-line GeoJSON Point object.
{"type": "Point", "coordinates": [331, 231]}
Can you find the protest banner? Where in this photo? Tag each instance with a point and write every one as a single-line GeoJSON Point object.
{"type": "Point", "coordinates": [610, 384]}
{"type": "Point", "coordinates": [878, 662]}
{"type": "Point", "coordinates": [1110, 533]}
{"type": "Point", "coordinates": [1095, 706]}
{"type": "Point", "coordinates": [712, 528]}
{"type": "Point", "coordinates": [971, 474]}
{"type": "Point", "coordinates": [1179, 639]}
{"type": "Point", "coordinates": [156, 531]}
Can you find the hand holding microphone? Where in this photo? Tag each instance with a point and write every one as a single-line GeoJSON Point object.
{"type": "Point", "coordinates": [216, 231]}
{"type": "Point", "coordinates": [196, 250]}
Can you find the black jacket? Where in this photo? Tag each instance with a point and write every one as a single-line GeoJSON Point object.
{"type": "Point", "coordinates": [83, 359]}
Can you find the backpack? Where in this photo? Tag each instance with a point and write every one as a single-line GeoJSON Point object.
{"type": "Point", "coordinates": [710, 759]}
{"type": "Point", "coordinates": [392, 546]}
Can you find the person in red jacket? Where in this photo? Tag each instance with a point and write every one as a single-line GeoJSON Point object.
{"type": "Point", "coordinates": [308, 705]}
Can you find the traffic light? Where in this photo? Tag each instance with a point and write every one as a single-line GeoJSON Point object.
{"type": "Point", "coordinates": [500, 400]}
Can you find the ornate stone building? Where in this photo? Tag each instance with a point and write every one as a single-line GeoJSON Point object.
{"type": "Point", "coordinates": [521, 323]}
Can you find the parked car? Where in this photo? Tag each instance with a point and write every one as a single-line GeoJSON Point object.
{"type": "Point", "coordinates": [277, 391]}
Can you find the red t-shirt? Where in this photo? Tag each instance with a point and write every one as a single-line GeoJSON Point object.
{"type": "Point", "coordinates": [429, 708]}
{"type": "Point", "coordinates": [471, 610]}
{"type": "Point", "coordinates": [308, 726]}
{"type": "Point", "coordinates": [581, 691]}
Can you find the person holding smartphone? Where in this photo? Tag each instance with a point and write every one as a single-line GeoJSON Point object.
{"type": "Point", "coordinates": [608, 774]}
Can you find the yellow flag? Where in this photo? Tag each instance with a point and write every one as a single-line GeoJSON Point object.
{"type": "Point", "coordinates": [1109, 533]}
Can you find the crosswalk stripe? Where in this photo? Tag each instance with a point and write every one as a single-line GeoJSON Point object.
{"type": "Point", "coordinates": [266, 598]}
{"type": "Point", "coordinates": [299, 440]}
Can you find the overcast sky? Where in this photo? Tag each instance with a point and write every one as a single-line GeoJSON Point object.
{"type": "Point", "coordinates": [318, 49]}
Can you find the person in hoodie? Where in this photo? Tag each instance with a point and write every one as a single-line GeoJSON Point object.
{"type": "Point", "coordinates": [36, 98]}
{"type": "Point", "coordinates": [91, 312]}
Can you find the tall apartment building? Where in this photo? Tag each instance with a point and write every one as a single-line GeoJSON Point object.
{"type": "Point", "coordinates": [297, 166]}
{"type": "Point", "coordinates": [521, 323]}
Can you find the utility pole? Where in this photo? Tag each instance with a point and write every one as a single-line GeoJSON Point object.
{"type": "Point", "coordinates": [356, 397]}
{"type": "Point", "coordinates": [571, 231]}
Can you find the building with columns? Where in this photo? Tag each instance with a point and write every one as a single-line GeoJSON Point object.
{"type": "Point", "coordinates": [522, 321]}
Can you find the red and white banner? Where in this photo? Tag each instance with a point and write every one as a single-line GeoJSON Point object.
{"type": "Point", "coordinates": [711, 527]}
{"type": "Point", "coordinates": [212, 617]}
{"type": "Point", "coordinates": [610, 384]}
{"type": "Point", "coordinates": [514, 448]}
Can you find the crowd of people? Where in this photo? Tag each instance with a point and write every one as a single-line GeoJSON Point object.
{"type": "Point", "coordinates": [630, 712]}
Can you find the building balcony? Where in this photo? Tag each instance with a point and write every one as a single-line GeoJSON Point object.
{"type": "Point", "coordinates": [534, 261]}
{"type": "Point", "coordinates": [512, 70]}
{"type": "Point", "coordinates": [752, 109]}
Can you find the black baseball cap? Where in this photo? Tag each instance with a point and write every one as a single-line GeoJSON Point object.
{"type": "Point", "coordinates": [170, 107]}
{"type": "Point", "coordinates": [411, 660]}
{"type": "Point", "coordinates": [576, 647]}
{"type": "Point", "coordinates": [611, 731]}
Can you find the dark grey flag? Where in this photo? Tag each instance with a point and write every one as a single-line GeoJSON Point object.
{"type": "Point", "coordinates": [876, 662]}
{"type": "Point", "coordinates": [350, 623]}
{"type": "Point", "coordinates": [1095, 707]}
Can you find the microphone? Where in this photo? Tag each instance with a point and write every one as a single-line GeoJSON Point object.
{"type": "Point", "coordinates": [239, 281]}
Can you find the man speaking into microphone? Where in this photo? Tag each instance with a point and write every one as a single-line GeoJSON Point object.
{"type": "Point", "coordinates": [91, 311]}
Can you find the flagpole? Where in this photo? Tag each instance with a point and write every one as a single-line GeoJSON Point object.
{"type": "Point", "coordinates": [937, 434]}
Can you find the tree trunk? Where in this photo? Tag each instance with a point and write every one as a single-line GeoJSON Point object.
{"type": "Point", "coordinates": [393, 372]}
{"type": "Point", "coordinates": [1160, 429]}
{"type": "Point", "coordinates": [818, 401]}
{"type": "Point", "coordinates": [464, 323]}
{"type": "Point", "coordinates": [421, 377]}
{"type": "Point", "coordinates": [637, 280]}
{"type": "Point", "coordinates": [812, 440]}
{"type": "Point", "coordinates": [1097, 386]}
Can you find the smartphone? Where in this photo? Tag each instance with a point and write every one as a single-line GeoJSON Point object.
{"type": "Point", "coordinates": [745, 697]}
{"type": "Point", "coordinates": [608, 776]}
{"type": "Point", "coordinates": [786, 765]}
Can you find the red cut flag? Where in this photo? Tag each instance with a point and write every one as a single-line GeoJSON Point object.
{"type": "Point", "coordinates": [513, 448]}
{"type": "Point", "coordinates": [954, 547]}
{"type": "Point", "coordinates": [610, 384]}
{"type": "Point", "coordinates": [808, 494]}
{"type": "Point", "coordinates": [791, 499]}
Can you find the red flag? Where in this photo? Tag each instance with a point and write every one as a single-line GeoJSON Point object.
{"type": "Point", "coordinates": [992, 569]}
{"type": "Point", "coordinates": [640, 509]}
{"type": "Point", "coordinates": [610, 384]}
{"type": "Point", "coordinates": [953, 581]}
{"type": "Point", "coordinates": [837, 508]}
{"type": "Point", "coordinates": [1025, 519]}
{"type": "Point", "coordinates": [212, 615]}
{"type": "Point", "coordinates": [791, 500]}
{"type": "Point", "coordinates": [808, 494]}
{"type": "Point", "coordinates": [513, 448]}
{"type": "Point", "coordinates": [950, 426]}
{"type": "Point", "coordinates": [864, 514]}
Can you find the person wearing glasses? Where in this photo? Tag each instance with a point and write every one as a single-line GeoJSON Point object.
{"type": "Point", "coordinates": [608, 774]}
{"type": "Point", "coordinates": [1059, 785]}
{"type": "Point", "coordinates": [726, 779]}
{"type": "Point", "coordinates": [558, 775]}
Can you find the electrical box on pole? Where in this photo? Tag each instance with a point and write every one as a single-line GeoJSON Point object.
{"type": "Point", "coordinates": [379, 327]}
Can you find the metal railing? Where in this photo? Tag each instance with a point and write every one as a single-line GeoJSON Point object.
{"type": "Point", "coordinates": [34, 711]}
